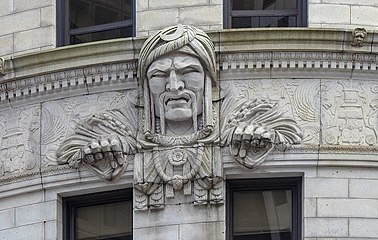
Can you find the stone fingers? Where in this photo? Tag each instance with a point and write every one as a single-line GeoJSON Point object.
{"type": "Point", "coordinates": [109, 148]}
{"type": "Point", "coordinates": [251, 135]}
{"type": "Point", "coordinates": [116, 147]}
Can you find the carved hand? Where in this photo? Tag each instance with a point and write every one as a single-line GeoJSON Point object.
{"type": "Point", "coordinates": [106, 148]}
{"type": "Point", "coordinates": [250, 135]}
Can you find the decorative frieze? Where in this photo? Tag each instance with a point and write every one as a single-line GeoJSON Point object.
{"type": "Point", "coordinates": [70, 79]}
{"type": "Point", "coordinates": [19, 140]}
{"type": "Point", "coordinates": [298, 60]}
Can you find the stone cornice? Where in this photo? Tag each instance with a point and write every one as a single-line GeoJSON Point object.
{"type": "Point", "coordinates": [291, 39]}
{"type": "Point", "coordinates": [292, 48]}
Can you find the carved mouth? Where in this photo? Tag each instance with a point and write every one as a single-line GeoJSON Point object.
{"type": "Point", "coordinates": [177, 101]}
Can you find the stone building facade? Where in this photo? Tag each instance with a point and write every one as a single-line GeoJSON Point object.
{"type": "Point", "coordinates": [277, 106]}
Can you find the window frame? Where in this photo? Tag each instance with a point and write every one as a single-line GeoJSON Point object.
{"type": "Point", "coordinates": [301, 13]}
{"type": "Point", "coordinates": [259, 184]}
{"type": "Point", "coordinates": [72, 203]}
{"type": "Point", "coordinates": [64, 32]}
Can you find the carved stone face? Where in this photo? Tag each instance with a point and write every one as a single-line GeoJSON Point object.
{"type": "Point", "coordinates": [176, 83]}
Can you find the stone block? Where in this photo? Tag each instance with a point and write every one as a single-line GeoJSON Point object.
{"type": "Point", "coordinates": [208, 231]}
{"type": "Point", "coordinates": [157, 19]}
{"type": "Point", "coordinates": [7, 219]}
{"type": "Point", "coordinates": [6, 45]}
{"type": "Point", "coordinates": [363, 188]}
{"type": "Point", "coordinates": [157, 233]}
{"type": "Point", "coordinates": [367, 208]}
{"type": "Point", "coordinates": [179, 214]}
{"type": "Point", "coordinates": [141, 5]}
{"type": "Point", "coordinates": [363, 228]}
{"type": "Point", "coordinates": [364, 15]}
{"type": "Point", "coordinates": [343, 172]}
{"type": "Point", "coordinates": [176, 4]}
{"type": "Point", "coordinates": [35, 213]}
{"type": "Point", "coordinates": [326, 227]}
{"type": "Point", "coordinates": [20, 21]}
{"type": "Point", "coordinates": [53, 230]}
{"type": "Point", "coordinates": [21, 200]}
{"type": "Point", "coordinates": [309, 207]}
{"type": "Point", "coordinates": [29, 232]}
{"type": "Point", "coordinates": [39, 37]}
{"type": "Point", "coordinates": [22, 5]}
{"type": "Point", "coordinates": [216, 2]}
{"type": "Point", "coordinates": [6, 7]}
{"type": "Point", "coordinates": [325, 13]}
{"type": "Point", "coordinates": [326, 187]}
{"type": "Point", "coordinates": [353, 2]}
{"type": "Point", "coordinates": [48, 16]}
{"type": "Point", "coordinates": [204, 15]}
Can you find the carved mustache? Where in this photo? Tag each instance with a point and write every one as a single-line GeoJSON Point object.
{"type": "Point", "coordinates": [186, 95]}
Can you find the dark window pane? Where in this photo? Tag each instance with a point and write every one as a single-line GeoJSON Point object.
{"type": "Point", "coordinates": [103, 35]}
{"type": "Point", "coordinates": [104, 221]}
{"type": "Point", "coordinates": [262, 214]}
{"type": "Point", "coordinates": [247, 22]}
{"type": "Point", "coordinates": [263, 4]}
{"type": "Point", "coordinates": [241, 22]}
{"type": "Point", "coordinates": [85, 13]}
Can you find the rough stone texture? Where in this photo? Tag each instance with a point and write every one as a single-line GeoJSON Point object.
{"type": "Point", "coordinates": [323, 187]}
{"type": "Point", "coordinates": [6, 44]}
{"type": "Point", "coordinates": [201, 15]}
{"type": "Point", "coordinates": [22, 5]}
{"type": "Point", "coordinates": [53, 230]}
{"type": "Point", "coordinates": [175, 4]}
{"type": "Point", "coordinates": [22, 17]}
{"type": "Point", "coordinates": [21, 200]}
{"type": "Point", "coordinates": [39, 37]}
{"type": "Point", "coordinates": [32, 232]}
{"type": "Point", "coordinates": [35, 213]}
{"type": "Point", "coordinates": [362, 188]}
{"type": "Point", "coordinates": [6, 7]}
{"type": "Point", "coordinates": [364, 228]}
{"type": "Point", "coordinates": [21, 21]}
{"type": "Point", "coordinates": [208, 231]}
{"type": "Point", "coordinates": [363, 208]}
{"type": "Point", "coordinates": [364, 15]}
{"type": "Point", "coordinates": [325, 13]}
{"type": "Point", "coordinates": [7, 219]}
{"type": "Point", "coordinates": [154, 15]}
{"type": "Point", "coordinates": [326, 227]}
{"type": "Point", "coordinates": [158, 233]}
{"type": "Point", "coordinates": [310, 208]}
{"type": "Point", "coordinates": [156, 19]}
{"type": "Point", "coordinates": [48, 16]}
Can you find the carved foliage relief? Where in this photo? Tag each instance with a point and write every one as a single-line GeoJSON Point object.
{"type": "Point", "coordinates": [19, 140]}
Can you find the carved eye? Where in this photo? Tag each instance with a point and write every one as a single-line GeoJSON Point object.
{"type": "Point", "coordinates": [189, 70]}
{"type": "Point", "coordinates": [159, 74]}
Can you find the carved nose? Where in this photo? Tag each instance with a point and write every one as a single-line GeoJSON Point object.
{"type": "Point", "coordinates": [174, 83]}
